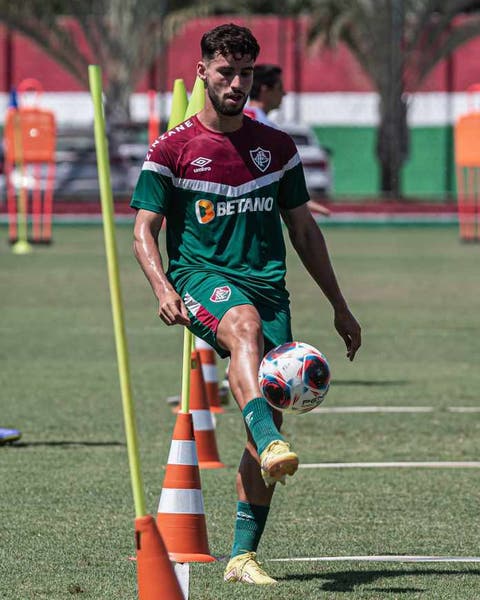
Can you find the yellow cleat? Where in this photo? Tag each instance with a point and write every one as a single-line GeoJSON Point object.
{"type": "Point", "coordinates": [246, 569]}
{"type": "Point", "coordinates": [276, 461]}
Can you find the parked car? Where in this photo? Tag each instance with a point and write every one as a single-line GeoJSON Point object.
{"type": "Point", "coordinates": [315, 159]}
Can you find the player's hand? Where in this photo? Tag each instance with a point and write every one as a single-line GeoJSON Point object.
{"type": "Point", "coordinates": [349, 329]}
{"type": "Point", "coordinates": [172, 310]}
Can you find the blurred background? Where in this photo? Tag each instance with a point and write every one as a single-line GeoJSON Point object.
{"type": "Point", "coordinates": [373, 87]}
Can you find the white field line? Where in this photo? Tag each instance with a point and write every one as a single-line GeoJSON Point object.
{"type": "Point", "coordinates": [396, 465]}
{"type": "Point", "coordinates": [373, 409]}
{"type": "Point", "coordinates": [385, 558]}
{"type": "Point", "coordinates": [391, 409]}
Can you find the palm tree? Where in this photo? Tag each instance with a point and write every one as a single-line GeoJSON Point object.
{"type": "Point", "coordinates": [398, 43]}
{"type": "Point", "coordinates": [123, 36]}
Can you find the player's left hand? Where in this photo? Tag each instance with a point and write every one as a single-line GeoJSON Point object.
{"type": "Point", "coordinates": [349, 329]}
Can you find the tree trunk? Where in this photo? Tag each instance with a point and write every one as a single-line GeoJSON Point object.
{"type": "Point", "coordinates": [392, 143]}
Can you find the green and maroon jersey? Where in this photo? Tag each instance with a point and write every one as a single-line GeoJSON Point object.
{"type": "Point", "coordinates": [221, 194]}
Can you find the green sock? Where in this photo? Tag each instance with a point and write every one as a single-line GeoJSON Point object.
{"type": "Point", "coordinates": [249, 527]}
{"type": "Point", "coordinates": [259, 419]}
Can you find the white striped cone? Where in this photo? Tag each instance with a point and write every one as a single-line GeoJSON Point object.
{"type": "Point", "coordinates": [181, 514]}
{"type": "Point", "coordinates": [210, 374]}
{"type": "Point", "coordinates": [204, 431]}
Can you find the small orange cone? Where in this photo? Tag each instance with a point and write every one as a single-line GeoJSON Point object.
{"type": "Point", "coordinates": [210, 374]}
{"type": "Point", "coordinates": [181, 514]}
{"type": "Point", "coordinates": [204, 431]}
{"type": "Point", "coordinates": [156, 577]}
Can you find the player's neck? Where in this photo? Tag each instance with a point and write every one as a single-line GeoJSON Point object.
{"type": "Point", "coordinates": [214, 121]}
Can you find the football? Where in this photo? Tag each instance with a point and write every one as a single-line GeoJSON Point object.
{"type": "Point", "coordinates": [294, 377]}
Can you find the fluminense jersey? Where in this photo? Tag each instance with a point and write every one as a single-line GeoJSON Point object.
{"type": "Point", "coordinates": [221, 195]}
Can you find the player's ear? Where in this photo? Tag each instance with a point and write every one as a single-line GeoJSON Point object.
{"type": "Point", "coordinates": [202, 70]}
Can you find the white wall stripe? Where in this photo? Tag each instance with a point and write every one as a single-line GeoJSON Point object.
{"type": "Point", "coordinates": [316, 108]}
{"type": "Point", "coordinates": [183, 452]}
{"type": "Point", "coordinates": [181, 501]}
{"type": "Point", "coordinates": [210, 373]}
{"type": "Point", "coordinates": [382, 558]}
{"type": "Point", "coordinates": [389, 465]}
{"type": "Point", "coordinates": [202, 420]}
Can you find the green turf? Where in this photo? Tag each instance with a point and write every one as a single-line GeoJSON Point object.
{"type": "Point", "coordinates": [66, 526]}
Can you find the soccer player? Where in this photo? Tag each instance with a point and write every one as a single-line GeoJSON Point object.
{"type": "Point", "coordinates": [223, 182]}
{"type": "Point", "coordinates": [266, 93]}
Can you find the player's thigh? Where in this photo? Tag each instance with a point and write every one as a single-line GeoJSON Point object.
{"type": "Point", "coordinates": [208, 297]}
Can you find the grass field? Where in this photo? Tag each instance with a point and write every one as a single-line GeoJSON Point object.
{"type": "Point", "coordinates": [66, 508]}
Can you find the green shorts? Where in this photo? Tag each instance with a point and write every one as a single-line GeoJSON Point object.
{"type": "Point", "coordinates": [209, 296]}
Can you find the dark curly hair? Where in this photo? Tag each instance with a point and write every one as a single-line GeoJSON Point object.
{"type": "Point", "coordinates": [267, 75]}
{"type": "Point", "coordinates": [229, 39]}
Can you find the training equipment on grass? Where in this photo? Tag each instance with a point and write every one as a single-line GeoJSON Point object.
{"type": "Point", "coordinates": [181, 513]}
{"type": "Point", "coordinates": [29, 140]}
{"type": "Point", "coordinates": [155, 573]}
{"type": "Point", "coordinates": [210, 374]}
{"type": "Point", "coordinates": [203, 428]}
{"type": "Point", "coordinates": [467, 159]}
{"type": "Point", "coordinates": [294, 377]}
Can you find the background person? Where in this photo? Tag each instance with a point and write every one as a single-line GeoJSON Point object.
{"type": "Point", "coordinates": [266, 95]}
{"type": "Point", "coordinates": [226, 273]}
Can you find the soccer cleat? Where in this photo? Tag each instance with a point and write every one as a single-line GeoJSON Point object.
{"type": "Point", "coordinates": [246, 569]}
{"type": "Point", "coordinates": [276, 461]}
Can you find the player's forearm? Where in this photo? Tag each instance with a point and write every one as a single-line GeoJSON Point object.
{"type": "Point", "coordinates": [145, 248]}
{"type": "Point", "coordinates": [312, 250]}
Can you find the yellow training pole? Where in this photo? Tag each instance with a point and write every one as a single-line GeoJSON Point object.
{"type": "Point", "coordinates": [197, 98]}
{"type": "Point", "coordinates": [196, 103]}
{"type": "Point", "coordinates": [95, 78]}
{"type": "Point", "coordinates": [179, 103]}
{"type": "Point", "coordinates": [21, 246]}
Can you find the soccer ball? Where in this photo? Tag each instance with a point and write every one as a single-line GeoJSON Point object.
{"type": "Point", "coordinates": [294, 377]}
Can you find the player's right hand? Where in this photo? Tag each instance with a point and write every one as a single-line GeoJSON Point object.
{"type": "Point", "coordinates": [172, 310]}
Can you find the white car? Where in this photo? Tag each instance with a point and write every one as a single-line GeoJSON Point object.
{"type": "Point", "coordinates": [315, 159]}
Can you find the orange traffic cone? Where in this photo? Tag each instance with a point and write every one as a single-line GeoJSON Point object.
{"type": "Point", "coordinates": [204, 431]}
{"type": "Point", "coordinates": [181, 515]}
{"type": "Point", "coordinates": [210, 374]}
{"type": "Point", "coordinates": [156, 577]}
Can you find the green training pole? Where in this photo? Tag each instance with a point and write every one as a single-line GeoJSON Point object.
{"type": "Point", "coordinates": [95, 78]}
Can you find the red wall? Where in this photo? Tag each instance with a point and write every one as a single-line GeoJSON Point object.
{"type": "Point", "coordinates": [308, 71]}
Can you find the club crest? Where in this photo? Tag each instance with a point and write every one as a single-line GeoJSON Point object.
{"type": "Point", "coordinates": [221, 294]}
{"type": "Point", "coordinates": [261, 158]}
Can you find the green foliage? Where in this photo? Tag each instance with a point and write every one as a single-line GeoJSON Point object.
{"type": "Point", "coordinates": [67, 508]}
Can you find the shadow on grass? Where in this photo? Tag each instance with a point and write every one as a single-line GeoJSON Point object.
{"type": "Point", "coordinates": [65, 444]}
{"type": "Point", "coordinates": [369, 382]}
{"type": "Point", "coordinates": [349, 581]}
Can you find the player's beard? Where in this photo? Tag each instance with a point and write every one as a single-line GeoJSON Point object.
{"type": "Point", "coordinates": [220, 106]}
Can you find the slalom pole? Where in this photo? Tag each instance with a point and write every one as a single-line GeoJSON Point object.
{"type": "Point", "coordinates": [179, 104]}
{"type": "Point", "coordinates": [196, 103]}
{"type": "Point", "coordinates": [94, 74]}
{"type": "Point", "coordinates": [21, 246]}
{"type": "Point", "coordinates": [155, 573]}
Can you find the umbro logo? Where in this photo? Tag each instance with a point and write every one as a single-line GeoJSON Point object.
{"type": "Point", "coordinates": [201, 164]}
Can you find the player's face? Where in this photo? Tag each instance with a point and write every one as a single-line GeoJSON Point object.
{"type": "Point", "coordinates": [228, 80]}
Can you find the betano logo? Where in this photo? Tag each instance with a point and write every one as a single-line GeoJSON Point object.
{"type": "Point", "coordinates": [206, 210]}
